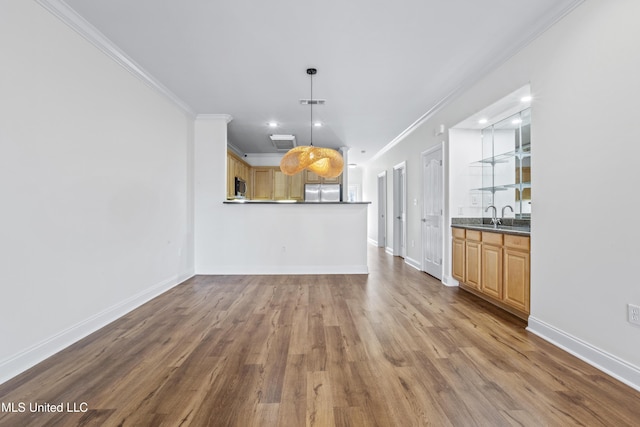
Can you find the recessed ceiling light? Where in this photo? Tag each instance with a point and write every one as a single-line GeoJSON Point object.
{"type": "Point", "coordinates": [312, 101]}
{"type": "Point", "coordinates": [516, 121]}
{"type": "Point", "coordinates": [352, 165]}
{"type": "Point", "coordinates": [527, 98]}
{"type": "Point", "coordinates": [273, 124]}
{"type": "Point", "coordinates": [317, 124]}
{"type": "Point", "coordinates": [482, 121]}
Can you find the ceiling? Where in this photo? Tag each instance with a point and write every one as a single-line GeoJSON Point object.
{"type": "Point", "coordinates": [381, 65]}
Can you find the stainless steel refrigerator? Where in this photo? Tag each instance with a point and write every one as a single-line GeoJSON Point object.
{"type": "Point", "coordinates": [322, 193]}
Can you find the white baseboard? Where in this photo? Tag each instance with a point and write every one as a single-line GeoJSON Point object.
{"type": "Point", "coordinates": [283, 269]}
{"type": "Point", "coordinates": [372, 241]}
{"type": "Point", "coordinates": [388, 250]}
{"type": "Point", "coordinates": [413, 263]}
{"type": "Point", "coordinates": [35, 354]}
{"type": "Point", "coordinates": [449, 281]}
{"type": "Point", "coordinates": [607, 363]}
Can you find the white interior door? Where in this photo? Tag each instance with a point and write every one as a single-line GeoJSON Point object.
{"type": "Point", "coordinates": [399, 210]}
{"type": "Point", "coordinates": [382, 209]}
{"type": "Point", "coordinates": [432, 212]}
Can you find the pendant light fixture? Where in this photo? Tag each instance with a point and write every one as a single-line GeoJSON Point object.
{"type": "Point", "coordinates": [325, 162]}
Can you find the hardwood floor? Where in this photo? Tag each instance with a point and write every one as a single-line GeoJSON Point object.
{"type": "Point", "coordinates": [394, 348]}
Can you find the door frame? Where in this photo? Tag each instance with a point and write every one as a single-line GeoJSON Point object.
{"type": "Point", "coordinates": [439, 147]}
{"type": "Point", "coordinates": [382, 209]}
{"type": "Point", "coordinates": [400, 209]}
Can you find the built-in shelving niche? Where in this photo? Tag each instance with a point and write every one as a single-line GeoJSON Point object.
{"type": "Point", "coordinates": [505, 165]}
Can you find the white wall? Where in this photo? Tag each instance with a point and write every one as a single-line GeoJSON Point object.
{"type": "Point", "coordinates": [584, 77]}
{"type": "Point", "coordinates": [465, 149]}
{"type": "Point", "coordinates": [94, 181]}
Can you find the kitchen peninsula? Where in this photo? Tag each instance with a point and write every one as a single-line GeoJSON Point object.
{"type": "Point", "coordinates": [299, 238]}
{"type": "Point", "coordinates": [270, 229]}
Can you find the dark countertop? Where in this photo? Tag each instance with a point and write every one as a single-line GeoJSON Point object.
{"type": "Point", "coordinates": [287, 202]}
{"type": "Point", "coordinates": [511, 226]}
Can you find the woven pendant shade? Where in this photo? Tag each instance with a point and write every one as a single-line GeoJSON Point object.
{"type": "Point", "coordinates": [325, 162]}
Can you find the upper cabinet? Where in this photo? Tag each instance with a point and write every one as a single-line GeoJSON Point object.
{"type": "Point", "coordinates": [268, 182]}
{"type": "Point", "coordinates": [506, 164]}
{"type": "Point", "coordinates": [313, 178]}
{"type": "Point", "coordinates": [236, 167]}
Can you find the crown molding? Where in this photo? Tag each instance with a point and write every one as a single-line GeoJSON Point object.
{"type": "Point", "coordinates": [266, 155]}
{"type": "Point", "coordinates": [547, 22]}
{"type": "Point", "coordinates": [71, 18]}
{"type": "Point", "coordinates": [225, 117]}
{"type": "Point", "coordinates": [235, 149]}
{"type": "Point", "coordinates": [415, 125]}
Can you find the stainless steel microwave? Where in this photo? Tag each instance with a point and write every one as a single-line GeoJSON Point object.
{"type": "Point", "coordinates": [241, 187]}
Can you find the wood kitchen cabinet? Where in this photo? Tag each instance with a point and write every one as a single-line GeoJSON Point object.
{"type": "Point", "coordinates": [236, 167]}
{"type": "Point", "coordinates": [491, 283]}
{"type": "Point", "coordinates": [313, 178]}
{"type": "Point", "coordinates": [231, 191]}
{"type": "Point", "coordinates": [517, 261]}
{"type": "Point", "coordinates": [287, 187]}
{"type": "Point", "coordinates": [494, 266]}
{"type": "Point", "coordinates": [263, 183]}
{"type": "Point", "coordinates": [296, 187]}
{"type": "Point", "coordinates": [280, 185]}
{"type": "Point", "coordinates": [473, 258]}
{"type": "Point", "coordinates": [457, 262]}
{"type": "Point", "coordinates": [269, 183]}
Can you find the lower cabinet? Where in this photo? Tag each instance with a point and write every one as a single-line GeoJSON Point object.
{"type": "Point", "coordinates": [458, 259]}
{"type": "Point", "coordinates": [491, 283]}
{"type": "Point", "coordinates": [494, 266]}
{"type": "Point", "coordinates": [473, 261]}
{"type": "Point", "coordinates": [517, 276]}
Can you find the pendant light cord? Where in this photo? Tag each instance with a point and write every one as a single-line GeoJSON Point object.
{"type": "Point", "coordinates": [311, 103]}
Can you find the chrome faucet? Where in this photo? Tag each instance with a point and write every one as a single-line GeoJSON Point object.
{"type": "Point", "coordinates": [494, 219]}
{"type": "Point", "coordinates": [504, 207]}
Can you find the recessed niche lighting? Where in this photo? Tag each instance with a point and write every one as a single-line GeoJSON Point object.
{"type": "Point", "coordinates": [352, 165]}
{"type": "Point", "coordinates": [317, 124]}
{"type": "Point", "coordinates": [527, 98]}
{"type": "Point", "coordinates": [273, 124]}
{"type": "Point", "coordinates": [482, 121]}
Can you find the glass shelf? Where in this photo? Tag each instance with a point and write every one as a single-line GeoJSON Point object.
{"type": "Point", "coordinates": [504, 187]}
{"type": "Point", "coordinates": [504, 157]}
